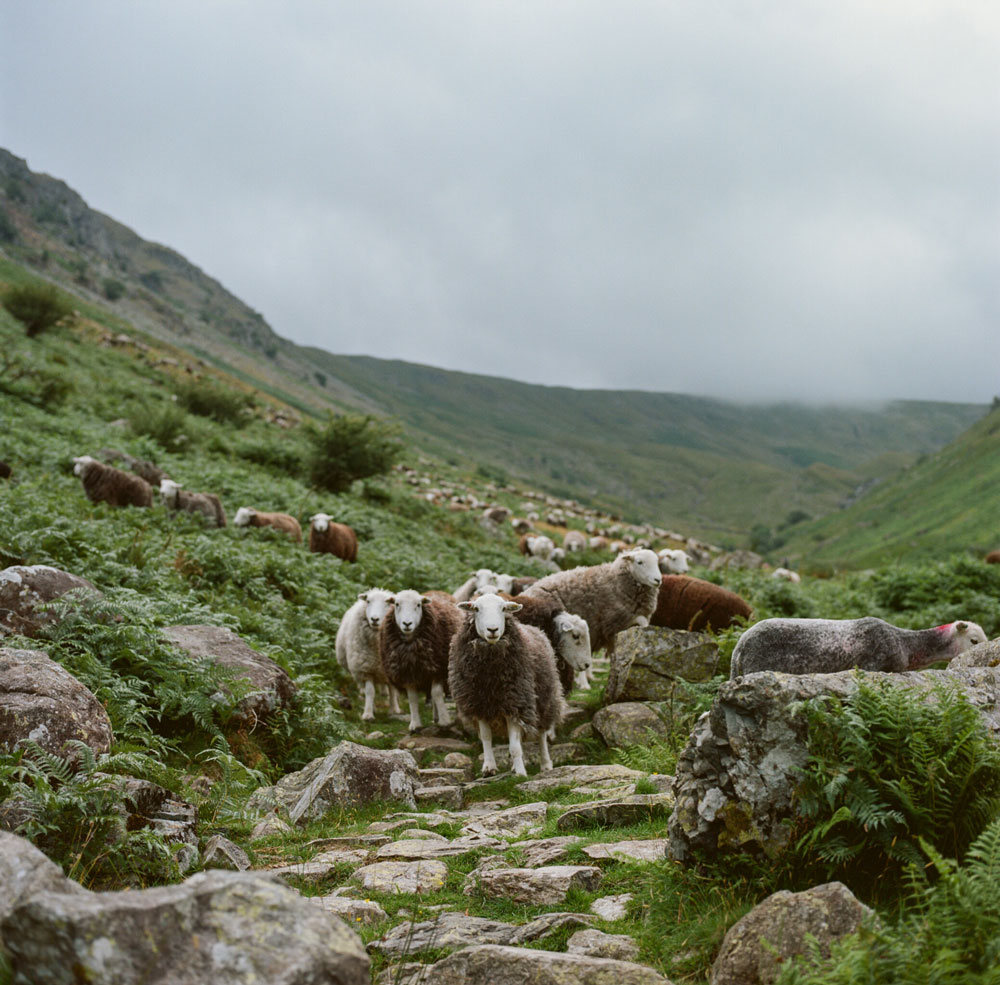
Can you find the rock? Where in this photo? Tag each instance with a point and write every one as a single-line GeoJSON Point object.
{"type": "Point", "coordinates": [493, 964]}
{"type": "Point", "coordinates": [615, 813]}
{"type": "Point", "coordinates": [982, 655]}
{"type": "Point", "coordinates": [612, 907]}
{"type": "Point", "coordinates": [272, 688]}
{"type": "Point", "coordinates": [43, 702]}
{"type": "Point", "coordinates": [402, 877]}
{"type": "Point", "coordinates": [320, 867]}
{"type": "Point", "coordinates": [270, 825]}
{"type": "Point", "coordinates": [514, 822]}
{"type": "Point", "coordinates": [544, 851]}
{"type": "Point", "coordinates": [627, 723]}
{"type": "Point", "coordinates": [368, 842]}
{"type": "Point", "coordinates": [783, 926]}
{"type": "Point", "coordinates": [736, 778]}
{"type": "Point", "coordinates": [433, 743]}
{"type": "Point", "coordinates": [25, 591]}
{"type": "Point", "coordinates": [648, 662]}
{"type": "Point", "coordinates": [597, 944]}
{"type": "Point", "coordinates": [459, 761]}
{"type": "Point", "coordinates": [449, 796]}
{"type": "Point", "coordinates": [562, 752]}
{"type": "Point", "coordinates": [608, 775]}
{"type": "Point", "coordinates": [543, 886]}
{"type": "Point", "coordinates": [348, 775]}
{"type": "Point", "coordinates": [419, 833]}
{"type": "Point", "coordinates": [418, 848]}
{"type": "Point", "coordinates": [441, 776]}
{"type": "Point", "coordinates": [221, 853]}
{"type": "Point", "coordinates": [648, 850]}
{"type": "Point", "coordinates": [736, 559]}
{"type": "Point", "coordinates": [219, 927]}
{"type": "Point", "coordinates": [351, 911]}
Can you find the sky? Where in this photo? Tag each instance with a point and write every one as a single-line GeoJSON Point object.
{"type": "Point", "coordinates": [746, 199]}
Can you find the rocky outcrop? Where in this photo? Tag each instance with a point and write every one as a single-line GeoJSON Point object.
{"type": "Point", "coordinates": [648, 662]}
{"type": "Point", "coordinates": [25, 591]}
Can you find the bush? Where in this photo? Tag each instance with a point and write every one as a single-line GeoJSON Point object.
{"type": "Point", "coordinates": [350, 447]}
{"type": "Point", "coordinates": [37, 306]}
{"type": "Point", "coordinates": [165, 423]}
{"type": "Point", "coordinates": [220, 403]}
{"type": "Point", "coordinates": [113, 289]}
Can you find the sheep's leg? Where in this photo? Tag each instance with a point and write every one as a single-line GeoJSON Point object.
{"type": "Point", "coordinates": [394, 708]}
{"type": "Point", "coordinates": [543, 743]}
{"type": "Point", "coordinates": [581, 680]}
{"type": "Point", "coordinates": [486, 737]}
{"type": "Point", "coordinates": [514, 733]}
{"type": "Point", "coordinates": [437, 698]}
{"type": "Point", "coordinates": [369, 713]}
{"type": "Point", "coordinates": [641, 621]}
{"type": "Point", "coordinates": [413, 695]}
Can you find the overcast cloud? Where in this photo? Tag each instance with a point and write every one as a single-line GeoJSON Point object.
{"type": "Point", "coordinates": [763, 200]}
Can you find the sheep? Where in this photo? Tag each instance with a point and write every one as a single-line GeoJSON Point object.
{"type": "Point", "coordinates": [246, 516]}
{"type": "Point", "coordinates": [176, 498]}
{"type": "Point", "coordinates": [993, 557]}
{"type": "Point", "coordinates": [692, 604]}
{"type": "Point", "coordinates": [357, 650]}
{"type": "Point", "coordinates": [477, 580]}
{"type": "Point", "coordinates": [149, 471]}
{"type": "Point", "coordinates": [521, 525]}
{"type": "Point", "coordinates": [598, 543]}
{"type": "Point", "coordinates": [414, 648]}
{"type": "Point", "coordinates": [611, 596]}
{"type": "Point", "coordinates": [106, 484]}
{"type": "Point", "coordinates": [536, 545]}
{"type": "Point", "coordinates": [518, 585]}
{"type": "Point", "coordinates": [575, 540]}
{"type": "Point", "coordinates": [503, 675]}
{"type": "Point", "coordinates": [787, 575]}
{"type": "Point", "coordinates": [326, 537]}
{"type": "Point", "coordinates": [5, 470]}
{"type": "Point", "coordinates": [673, 562]}
{"type": "Point", "coordinates": [826, 646]}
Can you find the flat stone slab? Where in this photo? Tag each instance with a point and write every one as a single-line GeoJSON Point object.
{"type": "Point", "coordinates": [514, 822]}
{"type": "Point", "coordinates": [597, 944]}
{"type": "Point", "coordinates": [544, 851]}
{"type": "Point", "coordinates": [608, 775]}
{"type": "Point", "coordinates": [434, 743]}
{"type": "Point", "coordinates": [544, 886]}
{"type": "Point", "coordinates": [612, 907]}
{"type": "Point", "coordinates": [451, 796]}
{"type": "Point", "coordinates": [627, 723]}
{"type": "Point", "coordinates": [421, 848]}
{"type": "Point", "coordinates": [348, 841]}
{"type": "Point", "coordinates": [319, 868]}
{"type": "Point", "coordinates": [616, 813]}
{"type": "Point", "coordinates": [647, 850]}
{"type": "Point", "coordinates": [352, 911]}
{"type": "Point", "coordinates": [424, 876]}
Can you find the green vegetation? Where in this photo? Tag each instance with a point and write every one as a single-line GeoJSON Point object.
{"type": "Point", "coordinates": [220, 403]}
{"type": "Point", "coordinates": [37, 306]}
{"type": "Point", "coordinates": [349, 447]}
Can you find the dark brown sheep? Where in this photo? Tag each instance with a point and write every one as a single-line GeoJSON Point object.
{"type": "Point", "coordinates": [993, 557]}
{"type": "Point", "coordinates": [327, 537]}
{"type": "Point", "coordinates": [5, 470]}
{"type": "Point", "coordinates": [693, 604]}
{"type": "Point", "coordinates": [106, 484]}
{"type": "Point", "coordinates": [520, 584]}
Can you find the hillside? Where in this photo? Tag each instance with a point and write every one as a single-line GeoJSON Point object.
{"type": "Point", "coordinates": [710, 468]}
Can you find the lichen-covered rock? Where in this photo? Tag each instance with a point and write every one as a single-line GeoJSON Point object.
{"type": "Point", "coordinates": [221, 853]}
{"type": "Point", "coordinates": [25, 590]}
{"type": "Point", "coordinates": [43, 702]}
{"type": "Point", "coordinates": [648, 662]}
{"type": "Point", "coordinates": [594, 776]}
{"type": "Point", "coordinates": [513, 822]}
{"type": "Point", "coordinates": [783, 926]}
{"type": "Point", "coordinates": [616, 811]}
{"type": "Point", "coordinates": [643, 850]}
{"type": "Point", "coordinates": [983, 655]}
{"type": "Point", "coordinates": [425, 876]}
{"type": "Point", "coordinates": [597, 944]}
{"type": "Point", "coordinates": [272, 687]}
{"type": "Point", "coordinates": [543, 886]}
{"type": "Point", "coordinates": [349, 774]}
{"type": "Point", "coordinates": [226, 928]}
{"type": "Point", "coordinates": [627, 723]}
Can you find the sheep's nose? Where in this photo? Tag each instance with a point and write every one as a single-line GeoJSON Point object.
{"type": "Point", "coordinates": [407, 625]}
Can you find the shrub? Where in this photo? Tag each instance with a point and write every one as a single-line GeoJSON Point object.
{"type": "Point", "coordinates": [164, 422]}
{"type": "Point", "coordinates": [220, 403]}
{"type": "Point", "coordinates": [37, 306]}
{"type": "Point", "coordinates": [113, 289]}
{"type": "Point", "coordinates": [350, 447]}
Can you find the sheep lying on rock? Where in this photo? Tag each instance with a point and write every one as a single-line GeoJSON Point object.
{"type": "Point", "coordinates": [246, 516]}
{"type": "Point", "coordinates": [827, 646]}
{"type": "Point", "coordinates": [692, 604]}
{"type": "Point", "coordinates": [673, 561]}
{"type": "Point", "coordinates": [357, 647]}
{"type": "Point", "coordinates": [176, 498]}
{"type": "Point", "coordinates": [503, 676]}
{"type": "Point", "coordinates": [106, 484]}
{"type": "Point", "coordinates": [413, 642]}
{"type": "Point", "coordinates": [327, 537]}
{"type": "Point", "coordinates": [611, 597]}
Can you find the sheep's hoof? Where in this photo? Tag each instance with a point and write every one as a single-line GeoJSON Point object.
{"type": "Point", "coordinates": [413, 728]}
{"type": "Point", "coordinates": [489, 771]}
{"type": "Point", "coordinates": [520, 771]}
{"type": "Point", "coordinates": [368, 718]}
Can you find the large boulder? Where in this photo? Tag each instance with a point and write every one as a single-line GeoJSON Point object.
{"type": "Point", "coordinates": [628, 723]}
{"type": "Point", "coordinates": [25, 591]}
{"type": "Point", "coordinates": [42, 701]}
{"type": "Point", "coordinates": [349, 775]}
{"type": "Point", "coordinates": [226, 928]}
{"type": "Point", "coordinates": [648, 662]}
{"type": "Point", "coordinates": [271, 686]}
{"type": "Point", "coordinates": [783, 926]}
{"type": "Point", "coordinates": [736, 779]}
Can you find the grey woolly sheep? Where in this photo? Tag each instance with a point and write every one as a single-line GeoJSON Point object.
{"type": "Point", "coordinates": [693, 604]}
{"type": "Point", "coordinates": [246, 516]}
{"type": "Point", "coordinates": [207, 504]}
{"type": "Point", "coordinates": [826, 646]}
{"type": "Point", "coordinates": [503, 676]}
{"type": "Point", "coordinates": [327, 537]}
{"type": "Point", "coordinates": [413, 642]}
{"type": "Point", "coordinates": [611, 597]}
{"type": "Point", "coordinates": [357, 647]}
{"type": "Point", "coordinates": [106, 484]}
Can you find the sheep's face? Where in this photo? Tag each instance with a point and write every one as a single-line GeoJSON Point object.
{"type": "Point", "coordinates": [504, 583]}
{"type": "Point", "coordinates": [541, 546]}
{"type": "Point", "coordinates": [967, 635]}
{"type": "Point", "coordinates": [243, 516]}
{"type": "Point", "coordinates": [573, 635]}
{"type": "Point", "coordinates": [408, 610]}
{"type": "Point", "coordinates": [168, 491]}
{"type": "Point", "coordinates": [673, 562]}
{"type": "Point", "coordinates": [643, 565]}
{"type": "Point", "coordinates": [320, 522]}
{"type": "Point", "coordinates": [376, 605]}
{"type": "Point", "coordinates": [80, 464]}
{"type": "Point", "coordinates": [484, 577]}
{"type": "Point", "coordinates": [490, 615]}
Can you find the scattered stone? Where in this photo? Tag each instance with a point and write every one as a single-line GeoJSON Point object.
{"type": "Point", "coordinates": [459, 761]}
{"type": "Point", "coordinates": [544, 851]}
{"type": "Point", "coordinates": [352, 911]}
{"type": "Point", "coordinates": [26, 590]}
{"type": "Point", "coordinates": [627, 723]}
{"type": "Point", "coordinates": [581, 732]}
{"type": "Point", "coordinates": [562, 753]}
{"type": "Point", "coordinates": [514, 822]}
{"type": "Point", "coordinates": [612, 908]}
{"type": "Point", "coordinates": [419, 848]}
{"type": "Point", "coordinates": [441, 776]}
{"type": "Point", "coordinates": [450, 796]}
{"type": "Point", "coordinates": [270, 825]}
{"type": "Point", "coordinates": [221, 853]}
{"type": "Point", "coordinates": [663, 782]}
{"type": "Point", "coordinates": [649, 850]}
{"type": "Point", "coordinates": [649, 661]}
{"type": "Point", "coordinates": [542, 886]}
{"type": "Point", "coordinates": [402, 877]}
{"type": "Point", "coordinates": [596, 777]}
{"type": "Point", "coordinates": [784, 925]}
{"type": "Point", "coordinates": [434, 743]}
{"type": "Point", "coordinates": [349, 841]}
{"type": "Point", "coordinates": [597, 944]}
{"type": "Point", "coordinates": [419, 833]}
{"type": "Point", "coordinates": [616, 813]}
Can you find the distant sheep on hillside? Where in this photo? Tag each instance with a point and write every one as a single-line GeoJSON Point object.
{"type": "Point", "coordinates": [247, 516]}
{"type": "Point", "coordinates": [106, 484]}
{"type": "Point", "coordinates": [207, 504]}
{"type": "Point", "coordinates": [327, 537]}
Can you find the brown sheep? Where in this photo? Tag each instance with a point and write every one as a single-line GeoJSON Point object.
{"type": "Point", "coordinates": [106, 484]}
{"type": "Point", "coordinates": [249, 517]}
{"type": "Point", "coordinates": [993, 557]}
{"type": "Point", "coordinates": [326, 537]}
{"type": "Point", "coordinates": [693, 604]}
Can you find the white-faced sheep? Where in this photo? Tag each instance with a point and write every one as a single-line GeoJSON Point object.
{"type": "Point", "coordinates": [327, 537]}
{"type": "Point", "coordinates": [413, 643]}
{"type": "Point", "coordinates": [476, 582]}
{"type": "Point", "coordinates": [537, 545]}
{"type": "Point", "coordinates": [207, 504]}
{"type": "Point", "coordinates": [246, 516]}
{"type": "Point", "coordinates": [575, 540]}
{"type": "Point", "coordinates": [787, 575]}
{"type": "Point", "coordinates": [827, 646]}
{"type": "Point", "coordinates": [673, 561]}
{"type": "Point", "coordinates": [503, 676]}
{"type": "Point", "coordinates": [521, 525]}
{"type": "Point", "coordinates": [611, 597]}
{"type": "Point", "coordinates": [357, 647]}
{"type": "Point", "coordinates": [106, 484]}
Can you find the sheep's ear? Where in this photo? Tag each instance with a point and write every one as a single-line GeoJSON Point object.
{"type": "Point", "coordinates": [467, 606]}
{"type": "Point", "coordinates": [628, 555]}
{"type": "Point", "coordinates": [363, 597]}
{"type": "Point", "coordinates": [512, 607]}
{"type": "Point", "coordinates": [391, 600]}
{"type": "Point", "coordinates": [961, 627]}
{"type": "Point", "coordinates": [424, 600]}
